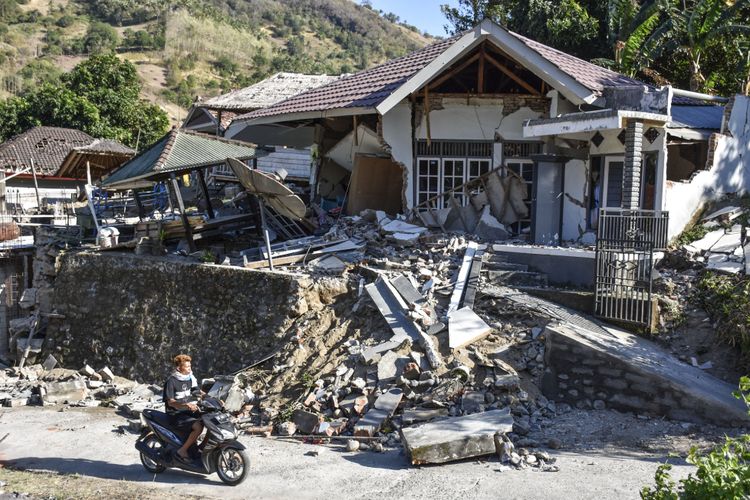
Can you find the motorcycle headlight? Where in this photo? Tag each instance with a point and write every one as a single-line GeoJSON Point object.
{"type": "Point", "coordinates": [227, 434]}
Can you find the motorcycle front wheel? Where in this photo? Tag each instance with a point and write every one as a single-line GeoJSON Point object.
{"type": "Point", "coordinates": [149, 464]}
{"type": "Point", "coordinates": [232, 465]}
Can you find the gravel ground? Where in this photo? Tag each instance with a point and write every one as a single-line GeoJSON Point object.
{"type": "Point", "coordinates": [603, 455]}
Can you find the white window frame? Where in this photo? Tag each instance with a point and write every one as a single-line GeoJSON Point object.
{"type": "Point", "coordinates": [439, 178]}
{"type": "Point", "coordinates": [464, 200]}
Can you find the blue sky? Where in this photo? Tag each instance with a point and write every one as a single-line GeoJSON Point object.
{"type": "Point", "coordinates": [424, 14]}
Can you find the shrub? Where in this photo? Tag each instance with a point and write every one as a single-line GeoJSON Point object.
{"type": "Point", "coordinates": [726, 298]}
{"type": "Point", "coordinates": [724, 473]}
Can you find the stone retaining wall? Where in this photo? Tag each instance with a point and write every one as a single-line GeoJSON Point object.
{"type": "Point", "coordinates": [134, 313]}
{"type": "Point", "coordinates": [633, 376]}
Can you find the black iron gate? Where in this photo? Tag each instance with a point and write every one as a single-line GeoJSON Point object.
{"type": "Point", "coordinates": [623, 280]}
{"type": "Point", "coordinates": [625, 245]}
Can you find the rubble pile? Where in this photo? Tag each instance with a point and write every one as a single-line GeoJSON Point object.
{"type": "Point", "coordinates": [45, 384]}
{"type": "Point", "coordinates": [725, 246]}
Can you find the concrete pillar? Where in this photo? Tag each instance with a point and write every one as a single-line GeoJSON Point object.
{"type": "Point", "coordinates": [631, 177]}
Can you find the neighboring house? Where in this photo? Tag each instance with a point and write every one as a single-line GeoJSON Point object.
{"type": "Point", "coordinates": [574, 136]}
{"type": "Point", "coordinates": [213, 116]}
{"type": "Point", "coordinates": [60, 159]}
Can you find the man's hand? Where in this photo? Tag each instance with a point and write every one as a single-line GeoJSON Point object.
{"type": "Point", "coordinates": [192, 406]}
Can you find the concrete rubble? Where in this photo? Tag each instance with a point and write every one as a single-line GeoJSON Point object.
{"type": "Point", "coordinates": [725, 246]}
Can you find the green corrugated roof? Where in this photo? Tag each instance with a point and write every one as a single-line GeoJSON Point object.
{"type": "Point", "coordinates": [179, 151]}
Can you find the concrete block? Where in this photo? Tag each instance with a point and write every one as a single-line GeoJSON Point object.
{"type": "Point", "coordinates": [455, 438]}
{"type": "Point", "coordinates": [413, 415]}
{"type": "Point", "coordinates": [465, 327]}
{"type": "Point", "coordinates": [107, 374]}
{"type": "Point", "coordinates": [71, 391]}
{"type": "Point", "coordinates": [87, 371]}
{"type": "Point", "coordinates": [489, 228]}
{"type": "Point", "coordinates": [368, 425]}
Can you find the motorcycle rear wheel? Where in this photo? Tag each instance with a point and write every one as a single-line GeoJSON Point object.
{"type": "Point", "coordinates": [148, 464]}
{"type": "Point", "coordinates": [232, 465]}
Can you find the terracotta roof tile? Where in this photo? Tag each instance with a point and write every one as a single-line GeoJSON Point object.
{"type": "Point", "coordinates": [370, 87]}
{"type": "Point", "coordinates": [47, 146]}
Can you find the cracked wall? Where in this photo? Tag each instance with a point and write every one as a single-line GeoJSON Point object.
{"type": "Point", "coordinates": [728, 174]}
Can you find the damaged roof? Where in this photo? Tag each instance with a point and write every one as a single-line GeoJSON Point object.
{"type": "Point", "coordinates": [47, 147]}
{"type": "Point", "coordinates": [101, 156]}
{"type": "Point", "coordinates": [178, 151]}
{"type": "Point", "coordinates": [273, 89]}
{"type": "Point", "coordinates": [368, 89]}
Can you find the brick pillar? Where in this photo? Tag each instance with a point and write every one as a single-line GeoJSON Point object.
{"type": "Point", "coordinates": [631, 177]}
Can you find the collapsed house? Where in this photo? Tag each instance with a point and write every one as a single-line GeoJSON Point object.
{"type": "Point", "coordinates": [45, 165]}
{"type": "Point", "coordinates": [426, 131]}
{"type": "Point", "coordinates": [213, 116]}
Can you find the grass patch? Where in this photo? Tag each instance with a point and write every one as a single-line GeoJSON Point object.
{"type": "Point", "coordinates": [691, 234]}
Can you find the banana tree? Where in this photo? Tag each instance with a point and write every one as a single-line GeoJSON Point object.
{"type": "Point", "coordinates": [699, 25]}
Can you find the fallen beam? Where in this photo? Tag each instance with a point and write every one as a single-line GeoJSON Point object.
{"type": "Point", "coordinates": [465, 327]}
{"type": "Point", "coordinates": [463, 275]}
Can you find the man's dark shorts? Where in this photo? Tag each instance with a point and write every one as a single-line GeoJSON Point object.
{"type": "Point", "coordinates": [184, 421]}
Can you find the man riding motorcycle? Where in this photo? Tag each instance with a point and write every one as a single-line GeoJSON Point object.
{"type": "Point", "coordinates": [180, 393]}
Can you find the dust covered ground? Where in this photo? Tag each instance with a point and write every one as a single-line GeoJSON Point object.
{"type": "Point", "coordinates": [82, 453]}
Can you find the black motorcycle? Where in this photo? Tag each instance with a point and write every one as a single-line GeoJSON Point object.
{"type": "Point", "coordinates": [219, 451]}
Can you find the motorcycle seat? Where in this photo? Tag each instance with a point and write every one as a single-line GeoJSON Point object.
{"type": "Point", "coordinates": [159, 417]}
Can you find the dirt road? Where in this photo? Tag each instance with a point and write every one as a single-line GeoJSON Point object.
{"type": "Point", "coordinates": [88, 442]}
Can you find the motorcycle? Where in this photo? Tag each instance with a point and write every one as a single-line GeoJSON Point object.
{"type": "Point", "coordinates": [219, 451]}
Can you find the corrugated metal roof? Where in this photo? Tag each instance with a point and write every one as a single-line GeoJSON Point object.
{"type": "Point", "coordinates": [697, 117]}
{"type": "Point", "coordinates": [179, 151]}
{"type": "Point", "coordinates": [370, 87]}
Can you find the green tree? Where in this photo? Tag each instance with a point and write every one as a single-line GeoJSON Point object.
{"type": "Point", "coordinates": [100, 37]}
{"type": "Point", "coordinates": [698, 27]}
{"type": "Point", "coordinates": [100, 96]}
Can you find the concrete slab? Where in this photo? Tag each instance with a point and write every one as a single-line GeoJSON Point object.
{"type": "Point", "coordinates": [389, 400]}
{"type": "Point", "coordinates": [707, 241]}
{"type": "Point", "coordinates": [727, 243]}
{"type": "Point", "coordinates": [455, 438]}
{"type": "Point", "coordinates": [747, 258]}
{"type": "Point", "coordinates": [398, 226]}
{"type": "Point", "coordinates": [722, 263]}
{"type": "Point", "coordinates": [465, 327]}
{"type": "Point", "coordinates": [727, 211]}
{"type": "Point", "coordinates": [463, 275]}
{"type": "Point", "coordinates": [413, 415]}
{"type": "Point", "coordinates": [489, 228]}
{"type": "Point", "coordinates": [374, 353]}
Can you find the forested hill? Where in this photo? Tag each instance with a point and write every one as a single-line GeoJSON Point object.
{"type": "Point", "coordinates": [184, 48]}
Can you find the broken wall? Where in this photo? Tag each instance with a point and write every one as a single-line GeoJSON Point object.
{"type": "Point", "coordinates": [135, 313]}
{"type": "Point", "coordinates": [729, 172]}
{"type": "Point", "coordinates": [575, 200]}
{"type": "Point", "coordinates": [477, 119]}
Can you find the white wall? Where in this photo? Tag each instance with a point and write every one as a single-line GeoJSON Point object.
{"type": "Point", "coordinates": [397, 134]}
{"type": "Point", "coordinates": [480, 120]}
{"type": "Point", "coordinates": [730, 172]}
{"type": "Point", "coordinates": [576, 186]}
{"type": "Point", "coordinates": [344, 152]}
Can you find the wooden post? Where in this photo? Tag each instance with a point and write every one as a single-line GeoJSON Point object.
{"type": "Point", "coordinates": [427, 115]}
{"type": "Point", "coordinates": [354, 123]}
{"type": "Point", "coordinates": [89, 195]}
{"type": "Point", "coordinates": [480, 75]}
{"type": "Point", "coordinates": [88, 172]}
{"type": "Point", "coordinates": [183, 215]}
{"type": "Point", "coordinates": [204, 188]}
{"type": "Point", "coordinates": [36, 187]}
{"type": "Point", "coordinates": [263, 224]}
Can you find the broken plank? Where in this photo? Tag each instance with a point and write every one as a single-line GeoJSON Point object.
{"type": "Point", "coordinates": [463, 274]}
{"type": "Point", "coordinates": [456, 438]}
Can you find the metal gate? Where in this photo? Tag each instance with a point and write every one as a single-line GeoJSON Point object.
{"type": "Point", "coordinates": [623, 280]}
